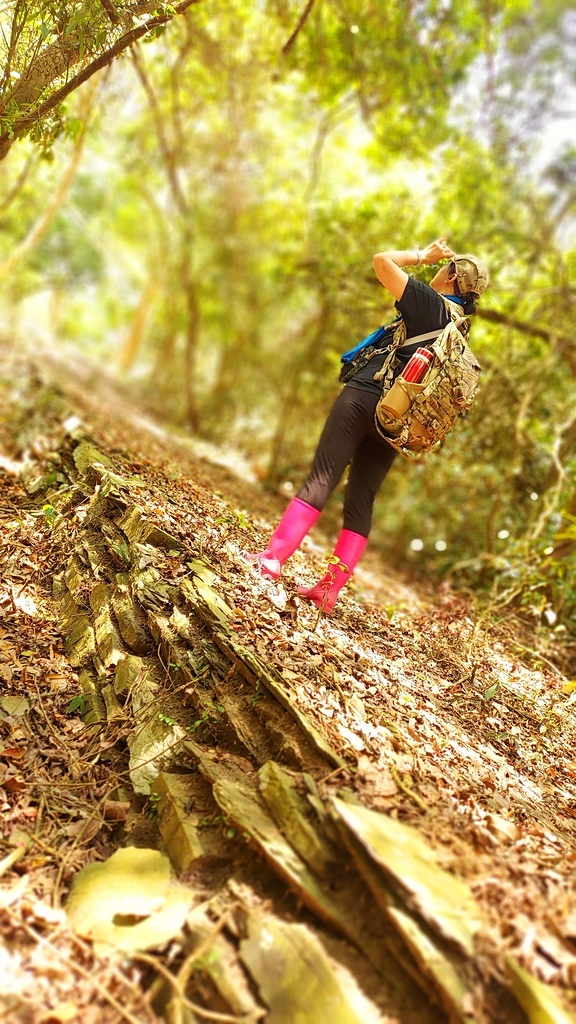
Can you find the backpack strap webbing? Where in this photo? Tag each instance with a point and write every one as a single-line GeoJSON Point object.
{"type": "Point", "coordinates": [420, 337]}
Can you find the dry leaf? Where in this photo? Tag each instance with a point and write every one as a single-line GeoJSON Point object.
{"type": "Point", "coordinates": [14, 706]}
{"type": "Point", "coordinates": [128, 902]}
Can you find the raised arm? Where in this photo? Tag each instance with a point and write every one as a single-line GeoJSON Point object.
{"type": "Point", "coordinates": [388, 265]}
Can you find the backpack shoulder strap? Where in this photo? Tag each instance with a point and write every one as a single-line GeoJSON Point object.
{"type": "Point", "coordinates": [420, 337]}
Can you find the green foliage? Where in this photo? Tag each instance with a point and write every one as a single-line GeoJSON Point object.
{"type": "Point", "coordinates": [167, 719]}
{"type": "Point", "coordinates": [43, 45]}
{"type": "Point", "coordinates": [50, 514]}
{"type": "Point", "coordinates": [237, 519]}
{"type": "Point", "coordinates": [77, 703]}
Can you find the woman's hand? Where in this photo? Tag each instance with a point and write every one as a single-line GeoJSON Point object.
{"type": "Point", "coordinates": [436, 251]}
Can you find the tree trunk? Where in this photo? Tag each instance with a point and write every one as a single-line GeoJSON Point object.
{"type": "Point", "coordinates": [139, 322]}
{"type": "Point", "coordinates": [289, 404]}
{"type": "Point", "coordinates": [565, 537]}
{"type": "Point", "coordinates": [190, 353]}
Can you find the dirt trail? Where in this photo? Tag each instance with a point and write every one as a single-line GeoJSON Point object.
{"type": "Point", "coordinates": [157, 693]}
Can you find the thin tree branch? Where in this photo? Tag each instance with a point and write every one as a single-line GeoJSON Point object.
{"type": "Point", "coordinates": [328, 122]}
{"type": "Point", "coordinates": [112, 14]}
{"type": "Point", "coordinates": [18, 185]}
{"type": "Point", "coordinates": [302, 21]}
{"type": "Point", "coordinates": [165, 148]}
{"type": "Point", "coordinates": [15, 32]}
{"type": "Point", "coordinates": [563, 341]}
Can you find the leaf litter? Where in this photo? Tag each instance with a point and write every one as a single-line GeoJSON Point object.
{"type": "Point", "coordinates": [444, 723]}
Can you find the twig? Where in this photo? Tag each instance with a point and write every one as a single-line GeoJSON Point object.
{"type": "Point", "coordinates": [97, 815]}
{"type": "Point", "coordinates": [202, 948]}
{"type": "Point", "coordinates": [44, 846]}
{"type": "Point", "coordinates": [40, 815]}
{"type": "Point", "coordinates": [301, 22]}
{"type": "Point", "coordinates": [199, 1011]}
{"type": "Point", "coordinates": [115, 971]}
{"type": "Point", "coordinates": [406, 788]}
{"type": "Point", "coordinates": [57, 737]}
{"type": "Point", "coordinates": [331, 647]}
{"type": "Point", "coordinates": [332, 775]}
{"type": "Point", "coordinates": [318, 617]}
{"type": "Point", "coordinates": [345, 699]}
{"type": "Point", "coordinates": [539, 656]}
{"type": "Point", "coordinates": [393, 729]}
{"type": "Point", "coordinates": [112, 14]}
{"type": "Point", "coordinates": [11, 859]}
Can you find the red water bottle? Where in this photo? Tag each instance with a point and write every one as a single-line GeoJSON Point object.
{"type": "Point", "coordinates": [416, 367]}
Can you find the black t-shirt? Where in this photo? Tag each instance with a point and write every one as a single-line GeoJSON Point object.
{"type": "Point", "coordinates": [423, 310]}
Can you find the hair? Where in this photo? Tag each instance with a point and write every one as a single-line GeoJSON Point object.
{"type": "Point", "coordinates": [469, 298]}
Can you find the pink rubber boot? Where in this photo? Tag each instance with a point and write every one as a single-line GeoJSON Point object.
{"type": "Point", "coordinates": [347, 553]}
{"type": "Point", "coordinates": [298, 518]}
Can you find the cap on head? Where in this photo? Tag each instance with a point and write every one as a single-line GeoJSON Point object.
{"type": "Point", "coordinates": [471, 273]}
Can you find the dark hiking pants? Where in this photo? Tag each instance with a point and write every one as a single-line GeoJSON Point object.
{"type": "Point", "coordinates": [350, 438]}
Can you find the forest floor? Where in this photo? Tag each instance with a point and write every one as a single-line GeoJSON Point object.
{"type": "Point", "coordinates": [406, 701]}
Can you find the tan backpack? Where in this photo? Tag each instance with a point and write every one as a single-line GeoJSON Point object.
{"type": "Point", "coordinates": [432, 406]}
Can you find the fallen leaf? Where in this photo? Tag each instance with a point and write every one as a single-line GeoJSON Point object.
{"type": "Point", "coordinates": [14, 785]}
{"type": "Point", "coordinates": [15, 706]}
{"type": "Point", "coordinates": [48, 915]}
{"type": "Point", "coordinates": [128, 902]}
{"type": "Point", "coordinates": [86, 830]}
{"type": "Point", "coordinates": [502, 828]}
{"type": "Point", "coordinates": [13, 753]}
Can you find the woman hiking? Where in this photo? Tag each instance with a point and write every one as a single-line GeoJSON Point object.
{"type": "Point", "coordinates": [349, 436]}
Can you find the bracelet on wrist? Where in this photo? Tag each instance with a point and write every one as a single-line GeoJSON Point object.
{"type": "Point", "coordinates": [418, 257]}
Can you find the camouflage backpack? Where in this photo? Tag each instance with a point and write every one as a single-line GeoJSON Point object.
{"type": "Point", "coordinates": [445, 393]}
